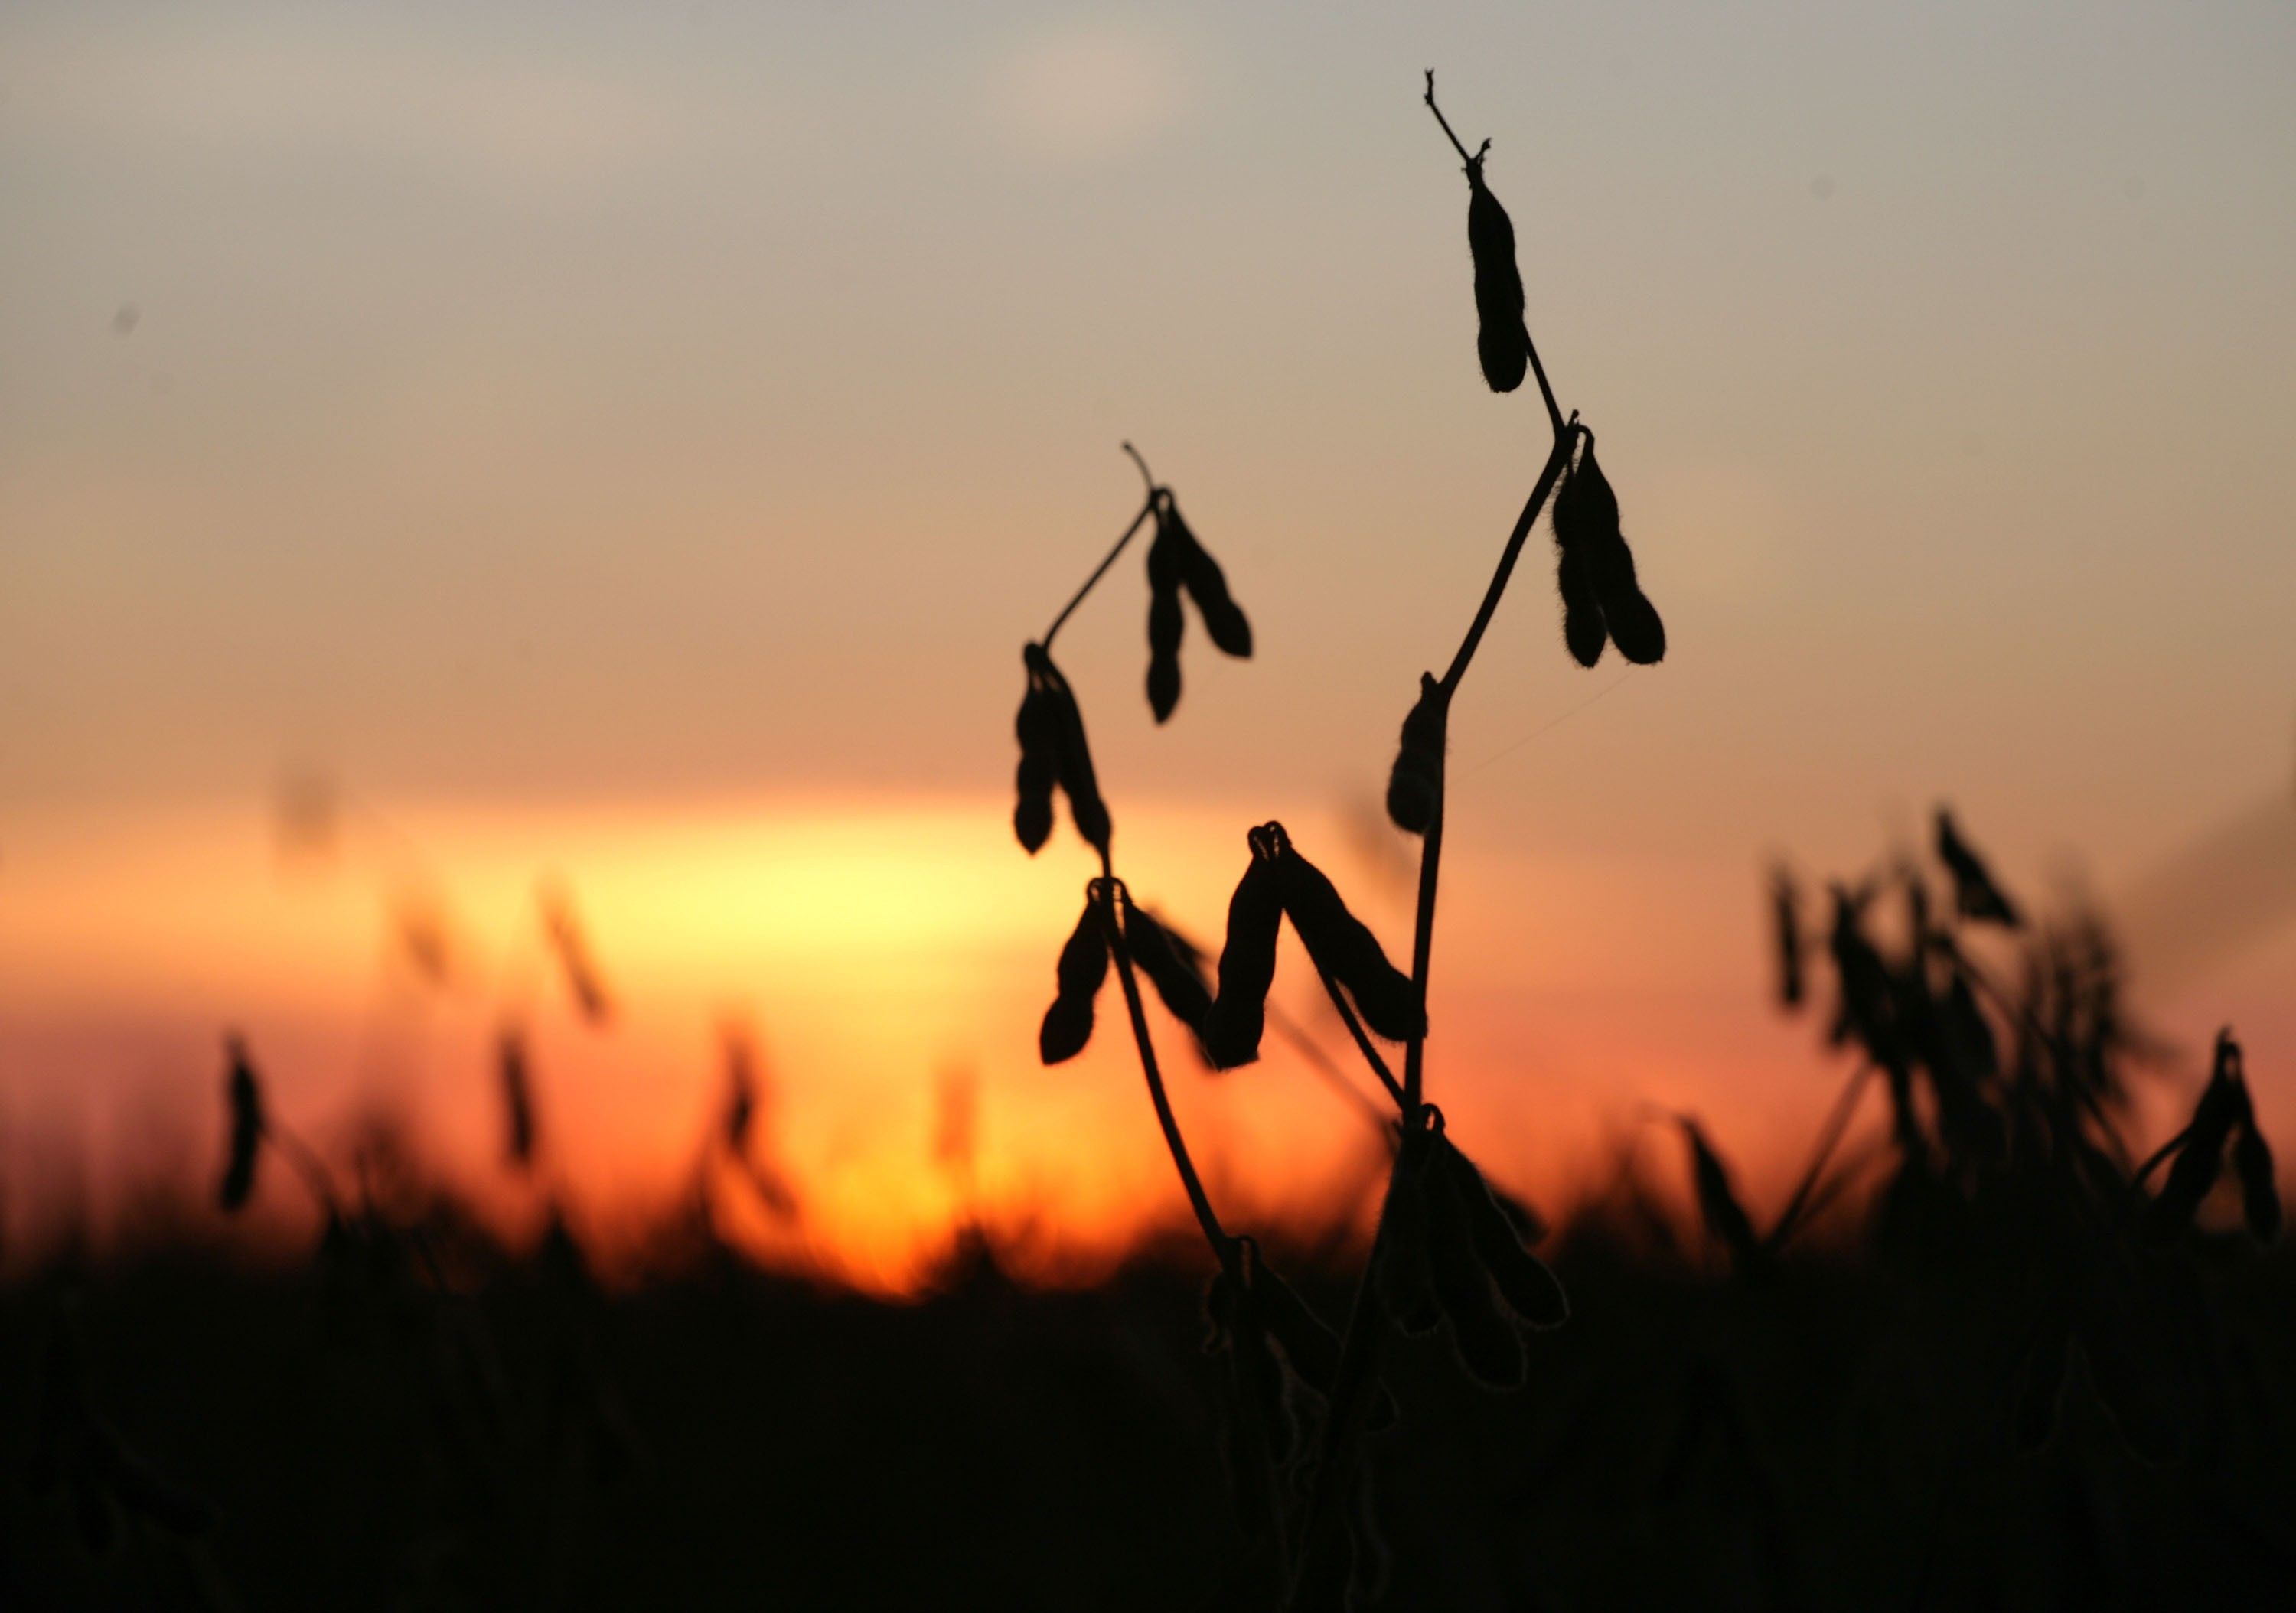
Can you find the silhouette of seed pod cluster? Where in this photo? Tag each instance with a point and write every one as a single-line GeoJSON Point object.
{"type": "Point", "coordinates": [2223, 1119]}
{"type": "Point", "coordinates": [1083, 967]}
{"type": "Point", "coordinates": [1595, 571]}
{"type": "Point", "coordinates": [1054, 751]}
{"type": "Point", "coordinates": [517, 1085]}
{"type": "Point", "coordinates": [1174, 971]}
{"type": "Point", "coordinates": [1415, 785]}
{"type": "Point", "coordinates": [1178, 563]}
{"type": "Point", "coordinates": [1449, 1253]}
{"type": "Point", "coordinates": [243, 1103]}
{"type": "Point", "coordinates": [1975, 894]}
{"type": "Point", "coordinates": [1280, 883]}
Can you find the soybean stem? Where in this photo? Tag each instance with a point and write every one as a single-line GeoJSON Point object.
{"type": "Point", "coordinates": [1829, 1139]}
{"type": "Point", "coordinates": [1556, 461]}
{"type": "Point", "coordinates": [1455, 144]}
{"type": "Point", "coordinates": [1097, 573]}
{"type": "Point", "coordinates": [1223, 1246]}
{"type": "Point", "coordinates": [1363, 1041]}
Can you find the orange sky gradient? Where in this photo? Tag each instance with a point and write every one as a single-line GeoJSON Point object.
{"type": "Point", "coordinates": [632, 446]}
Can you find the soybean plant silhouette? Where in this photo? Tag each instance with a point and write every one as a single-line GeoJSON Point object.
{"type": "Point", "coordinates": [1446, 1255]}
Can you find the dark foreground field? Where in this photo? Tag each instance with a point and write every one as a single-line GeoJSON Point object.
{"type": "Point", "coordinates": [1837, 1432]}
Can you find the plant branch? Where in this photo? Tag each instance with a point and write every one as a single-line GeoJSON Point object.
{"type": "Point", "coordinates": [1547, 477]}
{"type": "Point", "coordinates": [1098, 571]}
{"type": "Point", "coordinates": [1146, 475]}
{"type": "Point", "coordinates": [1829, 1139]}
{"type": "Point", "coordinates": [1455, 144]}
{"type": "Point", "coordinates": [1364, 1044]}
{"type": "Point", "coordinates": [1304, 1043]}
{"type": "Point", "coordinates": [1223, 1246]}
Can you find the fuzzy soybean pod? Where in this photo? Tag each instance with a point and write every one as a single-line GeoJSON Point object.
{"type": "Point", "coordinates": [1415, 785]}
{"type": "Point", "coordinates": [1524, 1282]}
{"type": "Point", "coordinates": [1501, 341]}
{"type": "Point", "coordinates": [1247, 967]}
{"type": "Point", "coordinates": [1584, 630]}
{"type": "Point", "coordinates": [1167, 623]}
{"type": "Point", "coordinates": [1200, 575]}
{"type": "Point", "coordinates": [1035, 727]}
{"type": "Point", "coordinates": [1072, 754]}
{"type": "Point", "coordinates": [244, 1100]}
{"type": "Point", "coordinates": [1586, 524]}
{"type": "Point", "coordinates": [1346, 951]}
{"type": "Point", "coordinates": [1083, 966]}
{"type": "Point", "coordinates": [1176, 982]}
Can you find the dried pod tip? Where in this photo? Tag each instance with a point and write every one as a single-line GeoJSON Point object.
{"type": "Point", "coordinates": [1415, 785]}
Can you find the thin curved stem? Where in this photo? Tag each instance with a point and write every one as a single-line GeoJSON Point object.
{"type": "Point", "coordinates": [1328, 1068]}
{"type": "Point", "coordinates": [1099, 571]}
{"type": "Point", "coordinates": [1829, 1139]}
{"type": "Point", "coordinates": [1223, 1246]}
{"type": "Point", "coordinates": [1364, 1044]}
{"type": "Point", "coordinates": [1553, 470]}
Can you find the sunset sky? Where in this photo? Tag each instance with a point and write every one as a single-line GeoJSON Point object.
{"type": "Point", "coordinates": [631, 445]}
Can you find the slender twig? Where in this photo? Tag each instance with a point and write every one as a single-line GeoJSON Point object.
{"type": "Point", "coordinates": [317, 1179]}
{"type": "Point", "coordinates": [1840, 1181]}
{"type": "Point", "coordinates": [1146, 475]}
{"type": "Point", "coordinates": [1364, 1044]}
{"type": "Point", "coordinates": [1829, 1138]}
{"type": "Point", "coordinates": [1223, 1246]}
{"type": "Point", "coordinates": [1146, 509]}
{"type": "Point", "coordinates": [2157, 1158]}
{"type": "Point", "coordinates": [1304, 1043]}
{"type": "Point", "coordinates": [1560, 457]}
{"type": "Point", "coordinates": [1455, 144]}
